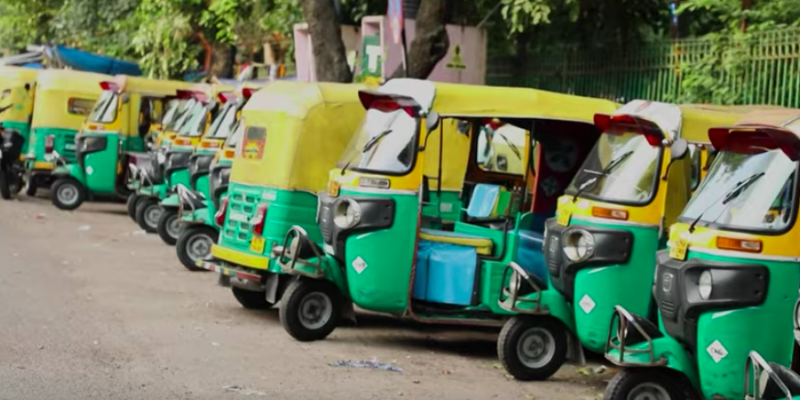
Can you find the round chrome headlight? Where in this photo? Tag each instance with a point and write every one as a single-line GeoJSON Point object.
{"type": "Point", "coordinates": [797, 315]}
{"type": "Point", "coordinates": [578, 245]}
{"type": "Point", "coordinates": [704, 285]}
{"type": "Point", "coordinates": [347, 214]}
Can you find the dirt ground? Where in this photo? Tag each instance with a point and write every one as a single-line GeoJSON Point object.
{"type": "Point", "coordinates": [91, 308]}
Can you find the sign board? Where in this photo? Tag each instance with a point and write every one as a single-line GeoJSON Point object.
{"type": "Point", "coordinates": [372, 59]}
{"type": "Point", "coordinates": [396, 19]}
{"type": "Point", "coordinates": [456, 61]}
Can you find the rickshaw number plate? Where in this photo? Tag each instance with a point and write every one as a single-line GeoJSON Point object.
{"type": "Point", "coordinates": [333, 188]}
{"type": "Point", "coordinates": [564, 218]}
{"type": "Point", "coordinates": [679, 249]}
{"type": "Point", "coordinates": [257, 244]}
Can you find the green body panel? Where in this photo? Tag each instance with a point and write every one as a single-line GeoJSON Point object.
{"type": "Point", "coordinates": [202, 185]}
{"type": "Point", "coordinates": [449, 206]}
{"type": "Point", "coordinates": [670, 350]}
{"type": "Point", "coordinates": [203, 216]}
{"type": "Point", "coordinates": [101, 167]}
{"type": "Point", "coordinates": [172, 201]}
{"type": "Point", "coordinates": [179, 177]}
{"type": "Point", "coordinates": [602, 285]}
{"type": "Point", "coordinates": [159, 191]}
{"type": "Point", "coordinates": [557, 307]}
{"type": "Point", "coordinates": [71, 170]}
{"type": "Point", "coordinates": [64, 143]}
{"type": "Point", "coordinates": [206, 151]}
{"type": "Point", "coordinates": [286, 209]}
{"type": "Point", "coordinates": [24, 129]}
{"type": "Point", "coordinates": [389, 255]}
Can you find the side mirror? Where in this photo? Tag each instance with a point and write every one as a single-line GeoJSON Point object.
{"type": "Point", "coordinates": [126, 97]}
{"type": "Point", "coordinates": [432, 121]}
{"type": "Point", "coordinates": [502, 163]}
{"type": "Point", "coordinates": [426, 190]}
{"type": "Point", "coordinates": [27, 87]}
{"type": "Point", "coordinates": [679, 149]}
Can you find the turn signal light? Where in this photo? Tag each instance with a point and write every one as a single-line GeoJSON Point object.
{"type": "Point", "coordinates": [182, 142]}
{"type": "Point", "coordinates": [260, 219]}
{"type": "Point", "coordinates": [748, 245]}
{"type": "Point", "coordinates": [219, 217]}
{"type": "Point", "coordinates": [49, 143]}
{"type": "Point", "coordinates": [603, 212]}
{"type": "Point", "coordinates": [230, 153]}
{"type": "Point", "coordinates": [210, 145]}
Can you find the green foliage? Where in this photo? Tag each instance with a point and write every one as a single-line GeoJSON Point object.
{"type": "Point", "coordinates": [520, 14]}
{"type": "Point", "coordinates": [163, 39]}
{"type": "Point", "coordinates": [24, 22]}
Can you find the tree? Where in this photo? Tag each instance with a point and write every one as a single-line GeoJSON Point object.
{"type": "Point", "coordinates": [326, 37]}
{"type": "Point", "coordinates": [430, 43]}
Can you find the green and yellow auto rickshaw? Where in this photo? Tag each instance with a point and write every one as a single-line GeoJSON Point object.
{"type": "Point", "coordinates": [171, 162]}
{"type": "Point", "coordinates": [372, 206]}
{"type": "Point", "coordinates": [610, 222]}
{"type": "Point", "coordinates": [63, 100]}
{"type": "Point", "coordinates": [293, 134]}
{"type": "Point", "coordinates": [169, 226]}
{"type": "Point", "coordinates": [17, 89]}
{"type": "Point", "coordinates": [128, 110]}
{"type": "Point", "coordinates": [728, 283]}
{"type": "Point", "coordinates": [198, 207]}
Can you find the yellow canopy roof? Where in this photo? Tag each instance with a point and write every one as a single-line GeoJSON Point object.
{"type": "Point", "coordinates": [698, 119]}
{"type": "Point", "coordinates": [69, 80]}
{"type": "Point", "coordinates": [150, 87]}
{"type": "Point", "coordinates": [302, 129]}
{"type": "Point", "coordinates": [23, 75]}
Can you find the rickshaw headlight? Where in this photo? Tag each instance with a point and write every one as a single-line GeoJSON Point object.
{"type": "Point", "coordinates": [578, 245]}
{"type": "Point", "coordinates": [704, 285]}
{"type": "Point", "coordinates": [347, 214]}
{"type": "Point", "coordinates": [797, 315]}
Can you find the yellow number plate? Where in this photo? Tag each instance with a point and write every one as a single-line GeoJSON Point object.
{"type": "Point", "coordinates": [564, 217]}
{"type": "Point", "coordinates": [333, 188]}
{"type": "Point", "coordinates": [257, 244]}
{"type": "Point", "coordinates": [678, 249]}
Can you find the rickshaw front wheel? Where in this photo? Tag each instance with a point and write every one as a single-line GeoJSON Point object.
{"type": "Point", "coordinates": [133, 199]}
{"type": "Point", "coordinates": [251, 300]}
{"type": "Point", "coordinates": [67, 194]}
{"type": "Point", "coordinates": [310, 309]}
{"type": "Point", "coordinates": [532, 348]}
{"type": "Point", "coordinates": [30, 189]}
{"type": "Point", "coordinates": [5, 187]}
{"type": "Point", "coordinates": [648, 384]}
{"type": "Point", "coordinates": [169, 226]}
{"type": "Point", "coordinates": [194, 244]}
{"type": "Point", "coordinates": [148, 211]}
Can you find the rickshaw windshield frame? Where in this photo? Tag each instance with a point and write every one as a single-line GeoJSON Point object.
{"type": "Point", "coordinates": [194, 124]}
{"type": "Point", "coordinates": [655, 186]}
{"type": "Point", "coordinates": [106, 110]}
{"type": "Point", "coordinates": [217, 127]}
{"type": "Point", "coordinates": [794, 202]}
{"type": "Point", "coordinates": [349, 156]}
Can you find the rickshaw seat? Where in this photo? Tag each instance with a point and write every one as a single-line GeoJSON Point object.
{"type": "Point", "coordinates": [789, 378]}
{"type": "Point", "coordinates": [529, 254]}
{"type": "Point", "coordinates": [487, 201]}
{"type": "Point", "coordinates": [482, 245]}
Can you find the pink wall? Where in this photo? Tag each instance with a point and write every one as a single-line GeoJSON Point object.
{"type": "Point", "coordinates": [303, 53]}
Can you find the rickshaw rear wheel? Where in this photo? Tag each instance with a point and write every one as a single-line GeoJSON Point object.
{"type": "Point", "coordinates": [532, 348]}
{"type": "Point", "coordinates": [133, 199]}
{"type": "Point", "coordinates": [147, 213]}
{"type": "Point", "coordinates": [168, 226]}
{"type": "Point", "coordinates": [648, 384]}
{"type": "Point", "coordinates": [310, 309]}
{"type": "Point", "coordinates": [251, 300]}
{"type": "Point", "coordinates": [30, 189]}
{"type": "Point", "coordinates": [5, 187]}
{"type": "Point", "coordinates": [192, 238]}
{"type": "Point", "coordinates": [67, 194]}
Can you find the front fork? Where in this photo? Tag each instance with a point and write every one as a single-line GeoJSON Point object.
{"type": "Point", "coordinates": [289, 256]}
{"type": "Point", "coordinates": [624, 321]}
{"type": "Point", "coordinates": [509, 294]}
{"type": "Point", "coordinates": [755, 383]}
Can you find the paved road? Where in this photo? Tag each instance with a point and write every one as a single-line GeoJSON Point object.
{"type": "Point", "coordinates": [92, 309]}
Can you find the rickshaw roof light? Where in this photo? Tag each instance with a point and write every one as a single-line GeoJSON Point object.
{"type": "Point", "coordinates": [248, 92]}
{"type": "Point", "coordinates": [623, 123]}
{"type": "Point", "coordinates": [387, 103]}
{"type": "Point", "coordinates": [192, 94]}
{"type": "Point", "coordinates": [225, 97]}
{"type": "Point", "coordinates": [755, 140]}
{"type": "Point", "coordinates": [113, 86]}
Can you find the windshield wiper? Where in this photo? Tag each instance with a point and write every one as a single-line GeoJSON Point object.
{"type": "Point", "coordinates": [512, 146]}
{"type": "Point", "coordinates": [613, 164]}
{"type": "Point", "coordinates": [368, 146]}
{"type": "Point", "coordinates": [728, 196]}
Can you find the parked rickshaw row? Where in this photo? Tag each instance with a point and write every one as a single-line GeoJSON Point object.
{"type": "Point", "coordinates": [661, 235]}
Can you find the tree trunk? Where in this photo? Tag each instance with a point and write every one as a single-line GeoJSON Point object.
{"type": "Point", "coordinates": [430, 43]}
{"type": "Point", "coordinates": [330, 58]}
{"type": "Point", "coordinates": [222, 61]}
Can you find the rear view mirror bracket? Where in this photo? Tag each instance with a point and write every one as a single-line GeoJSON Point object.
{"type": "Point", "coordinates": [678, 150]}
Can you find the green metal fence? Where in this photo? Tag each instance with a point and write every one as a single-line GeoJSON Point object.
{"type": "Point", "coordinates": [759, 68]}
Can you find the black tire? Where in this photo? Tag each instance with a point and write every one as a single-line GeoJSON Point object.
{"type": "Point", "coordinates": [5, 188]}
{"type": "Point", "coordinates": [133, 199]}
{"type": "Point", "coordinates": [188, 240]}
{"type": "Point", "coordinates": [167, 225]}
{"type": "Point", "coordinates": [31, 189]}
{"type": "Point", "coordinates": [144, 214]}
{"type": "Point", "coordinates": [251, 300]}
{"type": "Point", "coordinates": [304, 295]}
{"type": "Point", "coordinates": [519, 334]}
{"type": "Point", "coordinates": [67, 194]}
{"type": "Point", "coordinates": [659, 383]}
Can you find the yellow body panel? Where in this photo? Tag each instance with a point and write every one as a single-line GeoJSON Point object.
{"type": "Point", "coordinates": [236, 257]}
{"type": "Point", "coordinates": [55, 88]}
{"type": "Point", "coordinates": [706, 238]}
{"type": "Point", "coordinates": [483, 246]}
{"type": "Point", "coordinates": [308, 126]}
{"type": "Point", "coordinates": [12, 84]}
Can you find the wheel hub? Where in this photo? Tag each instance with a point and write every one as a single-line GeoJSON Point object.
{"type": "Point", "coordinates": [648, 391]}
{"type": "Point", "coordinates": [536, 348]}
{"type": "Point", "coordinates": [67, 194]}
{"type": "Point", "coordinates": [174, 226]}
{"type": "Point", "coordinates": [152, 214]}
{"type": "Point", "coordinates": [199, 247]}
{"type": "Point", "coordinates": [316, 310]}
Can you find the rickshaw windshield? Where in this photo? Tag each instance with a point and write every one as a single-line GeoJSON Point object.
{"type": "Point", "coordinates": [746, 192]}
{"type": "Point", "coordinates": [182, 113]}
{"type": "Point", "coordinates": [620, 169]}
{"type": "Point", "coordinates": [170, 114]}
{"type": "Point", "coordinates": [224, 123]}
{"type": "Point", "coordinates": [193, 127]}
{"type": "Point", "coordinates": [385, 144]}
{"type": "Point", "coordinates": [233, 140]}
{"type": "Point", "coordinates": [105, 110]}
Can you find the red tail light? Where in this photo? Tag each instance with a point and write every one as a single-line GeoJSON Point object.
{"type": "Point", "coordinates": [49, 143]}
{"type": "Point", "coordinates": [260, 219]}
{"type": "Point", "coordinates": [219, 217]}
